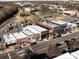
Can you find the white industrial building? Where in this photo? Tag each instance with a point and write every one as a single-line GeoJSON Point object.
{"type": "Point", "coordinates": [44, 32]}
{"type": "Point", "coordinates": [9, 39]}
{"type": "Point", "coordinates": [28, 33]}
{"type": "Point", "coordinates": [36, 34]}
{"type": "Point", "coordinates": [38, 28]}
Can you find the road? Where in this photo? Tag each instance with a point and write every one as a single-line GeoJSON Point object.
{"type": "Point", "coordinates": [44, 45]}
{"type": "Point", "coordinates": [41, 47]}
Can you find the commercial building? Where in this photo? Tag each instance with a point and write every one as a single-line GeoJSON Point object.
{"type": "Point", "coordinates": [55, 27]}
{"type": "Point", "coordinates": [36, 34]}
{"type": "Point", "coordinates": [9, 39]}
{"type": "Point", "coordinates": [61, 27]}
{"type": "Point", "coordinates": [48, 26]}
{"type": "Point", "coordinates": [19, 35]}
{"type": "Point", "coordinates": [44, 32]}
{"type": "Point", "coordinates": [65, 25]}
{"type": "Point", "coordinates": [32, 36]}
{"type": "Point", "coordinates": [71, 25]}
{"type": "Point", "coordinates": [51, 27]}
{"type": "Point", "coordinates": [21, 38]}
{"type": "Point", "coordinates": [28, 33]}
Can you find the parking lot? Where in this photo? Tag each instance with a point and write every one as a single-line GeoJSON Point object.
{"type": "Point", "coordinates": [72, 19]}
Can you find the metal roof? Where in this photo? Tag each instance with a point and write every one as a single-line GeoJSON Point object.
{"type": "Point", "coordinates": [38, 28]}
{"type": "Point", "coordinates": [9, 38]}
{"type": "Point", "coordinates": [76, 54]}
{"type": "Point", "coordinates": [19, 35]}
{"type": "Point", "coordinates": [26, 31]}
{"type": "Point", "coordinates": [31, 30]}
{"type": "Point", "coordinates": [65, 56]}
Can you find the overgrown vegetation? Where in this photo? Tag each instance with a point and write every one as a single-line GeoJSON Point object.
{"type": "Point", "coordinates": [7, 12]}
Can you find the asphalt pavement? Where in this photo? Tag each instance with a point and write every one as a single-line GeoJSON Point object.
{"type": "Point", "coordinates": [44, 45]}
